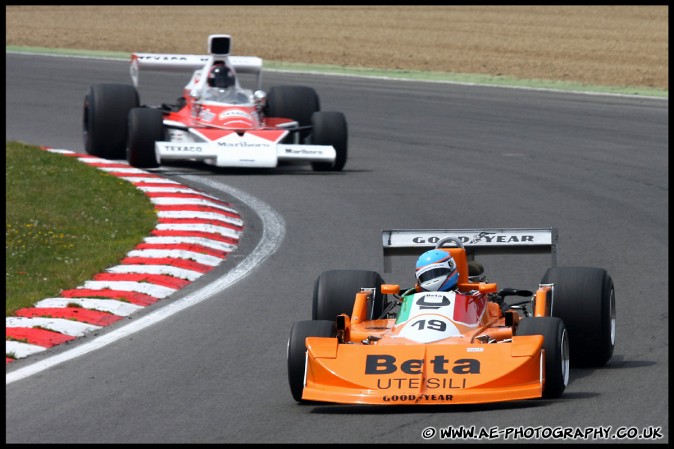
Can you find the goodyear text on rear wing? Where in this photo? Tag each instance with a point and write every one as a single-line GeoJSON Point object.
{"type": "Point", "coordinates": [401, 242]}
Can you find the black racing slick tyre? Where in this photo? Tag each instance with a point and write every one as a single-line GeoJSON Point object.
{"type": "Point", "coordinates": [329, 128]}
{"type": "Point", "coordinates": [146, 126]}
{"type": "Point", "coordinates": [335, 293]}
{"type": "Point", "coordinates": [584, 298]}
{"type": "Point", "coordinates": [106, 108]}
{"type": "Point", "coordinates": [293, 102]}
{"type": "Point", "coordinates": [556, 346]}
{"type": "Point", "coordinates": [297, 351]}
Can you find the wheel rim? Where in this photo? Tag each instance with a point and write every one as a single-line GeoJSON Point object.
{"type": "Point", "coordinates": [612, 310]}
{"type": "Point", "coordinates": [565, 358]}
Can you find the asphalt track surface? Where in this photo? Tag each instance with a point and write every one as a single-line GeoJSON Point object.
{"type": "Point", "coordinates": [422, 155]}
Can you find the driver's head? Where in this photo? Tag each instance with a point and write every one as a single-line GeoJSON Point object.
{"type": "Point", "coordinates": [221, 77]}
{"type": "Point", "coordinates": [436, 271]}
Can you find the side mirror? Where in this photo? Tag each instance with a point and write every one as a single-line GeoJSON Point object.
{"type": "Point", "coordinates": [484, 287]}
{"type": "Point", "coordinates": [390, 289]}
{"type": "Point", "coordinates": [260, 98]}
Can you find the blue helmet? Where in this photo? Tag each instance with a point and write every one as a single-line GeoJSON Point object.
{"type": "Point", "coordinates": [436, 271]}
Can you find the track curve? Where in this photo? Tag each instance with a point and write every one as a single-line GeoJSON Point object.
{"type": "Point", "coordinates": [422, 155]}
{"type": "Point", "coordinates": [195, 233]}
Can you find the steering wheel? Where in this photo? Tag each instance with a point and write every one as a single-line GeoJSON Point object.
{"type": "Point", "coordinates": [444, 240]}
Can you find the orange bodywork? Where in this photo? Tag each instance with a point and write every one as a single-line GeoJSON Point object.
{"type": "Point", "coordinates": [451, 373]}
{"type": "Point", "coordinates": [386, 362]}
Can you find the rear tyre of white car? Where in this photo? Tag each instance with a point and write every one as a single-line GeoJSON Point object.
{"type": "Point", "coordinates": [329, 128]}
{"type": "Point", "coordinates": [106, 108]}
{"type": "Point", "coordinates": [146, 126]}
{"type": "Point", "coordinates": [556, 346]}
{"type": "Point", "coordinates": [584, 298]}
{"type": "Point", "coordinates": [297, 350]}
{"type": "Point", "coordinates": [293, 102]}
{"type": "Point", "coordinates": [335, 293]}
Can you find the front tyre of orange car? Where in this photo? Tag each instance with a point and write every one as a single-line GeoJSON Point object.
{"type": "Point", "coordinates": [297, 350]}
{"type": "Point", "coordinates": [335, 293]}
{"type": "Point", "coordinates": [556, 346]}
{"type": "Point", "coordinates": [584, 298]}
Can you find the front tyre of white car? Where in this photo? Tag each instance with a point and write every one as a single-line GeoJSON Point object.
{"type": "Point", "coordinates": [329, 128]}
{"type": "Point", "coordinates": [145, 128]}
{"type": "Point", "coordinates": [293, 102]}
{"type": "Point", "coordinates": [104, 119]}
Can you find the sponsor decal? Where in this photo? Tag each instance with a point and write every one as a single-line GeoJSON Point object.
{"type": "Point", "coordinates": [475, 349]}
{"type": "Point", "coordinates": [386, 364]}
{"type": "Point", "coordinates": [433, 301]}
{"type": "Point", "coordinates": [478, 237]}
{"type": "Point", "coordinates": [183, 149]}
{"type": "Point", "coordinates": [481, 237]}
{"type": "Point", "coordinates": [415, 397]}
{"type": "Point", "coordinates": [243, 145]}
{"type": "Point", "coordinates": [302, 151]}
{"type": "Point", "coordinates": [167, 58]}
{"type": "Point", "coordinates": [234, 113]}
{"type": "Point", "coordinates": [380, 364]}
{"type": "Point", "coordinates": [432, 383]}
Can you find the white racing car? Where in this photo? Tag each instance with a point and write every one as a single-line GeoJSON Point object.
{"type": "Point", "coordinates": [216, 121]}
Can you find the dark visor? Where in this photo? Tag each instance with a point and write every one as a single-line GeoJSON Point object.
{"type": "Point", "coordinates": [434, 273]}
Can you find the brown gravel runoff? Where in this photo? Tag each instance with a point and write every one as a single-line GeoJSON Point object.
{"type": "Point", "coordinates": [625, 46]}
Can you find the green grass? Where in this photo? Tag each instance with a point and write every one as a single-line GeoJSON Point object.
{"type": "Point", "coordinates": [65, 222]}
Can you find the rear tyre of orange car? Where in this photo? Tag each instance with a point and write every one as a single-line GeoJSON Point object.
{"type": "Point", "coordinates": [329, 128]}
{"type": "Point", "coordinates": [335, 293]}
{"type": "Point", "coordinates": [145, 128]}
{"type": "Point", "coordinates": [294, 102]}
{"type": "Point", "coordinates": [104, 121]}
{"type": "Point", "coordinates": [297, 350]}
{"type": "Point", "coordinates": [556, 346]}
{"type": "Point", "coordinates": [584, 298]}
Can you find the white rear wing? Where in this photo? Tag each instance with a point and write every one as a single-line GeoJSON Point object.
{"type": "Point", "coordinates": [188, 63]}
{"type": "Point", "coordinates": [400, 242]}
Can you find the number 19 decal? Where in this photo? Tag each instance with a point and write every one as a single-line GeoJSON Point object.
{"type": "Point", "coordinates": [435, 325]}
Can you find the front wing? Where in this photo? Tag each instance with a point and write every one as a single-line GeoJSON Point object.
{"type": "Point", "coordinates": [424, 374]}
{"type": "Point", "coordinates": [245, 154]}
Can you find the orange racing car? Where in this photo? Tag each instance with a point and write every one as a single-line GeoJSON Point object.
{"type": "Point", "coordinates": [373, 343]}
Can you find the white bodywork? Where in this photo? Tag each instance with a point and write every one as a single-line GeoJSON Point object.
{"type": "Point", "coordinates": [241, 151]}
{"type": "Point", "coordinates": [226, 148]}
